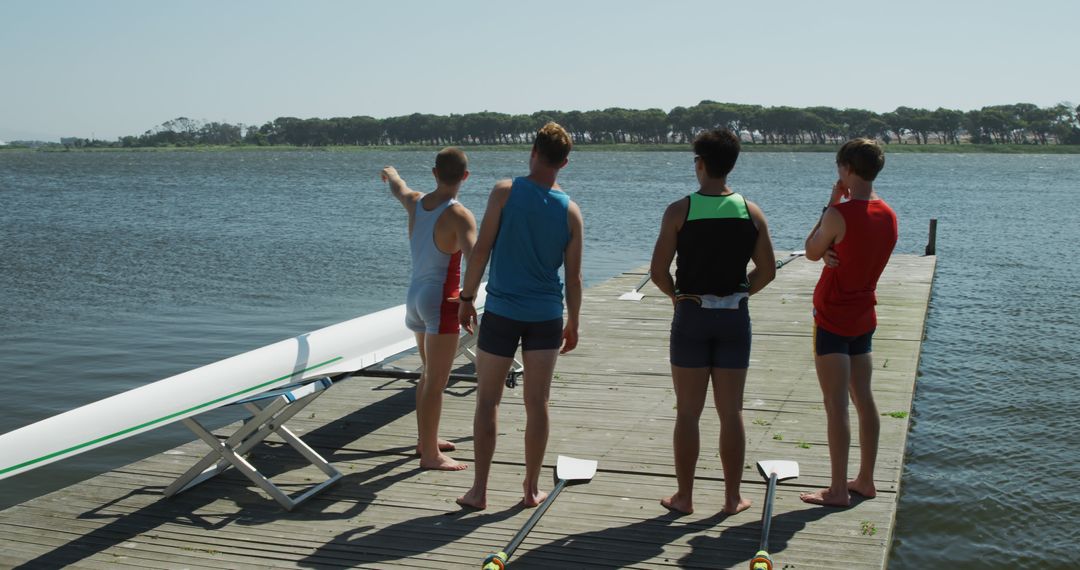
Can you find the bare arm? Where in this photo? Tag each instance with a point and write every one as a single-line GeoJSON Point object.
{"type": "Point", "coordinates": [481, 251]}
{"type": "Point", "coordinates": [764, 257]}
{"type": "Point", "coordinates": [400, 190]}
{"type": "Point", "coordinates": [830, 226]}
{"type": "Point", "coordinates": [572, 270]}
{"type": "Point", "coordinates": [465, 231]}
{"type": "Point", "coordinates": [666, 243]}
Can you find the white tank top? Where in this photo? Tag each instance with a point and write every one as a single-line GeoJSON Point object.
{"type": "Point", "coordinates": [429, 265]}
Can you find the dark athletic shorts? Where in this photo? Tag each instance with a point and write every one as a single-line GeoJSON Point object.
{"type": "Point", "coordinates": [826, 342]}
{"type": "Point", "coordinates": [499, 335]}
{"type": "Point", "coordinates": [710, 338]}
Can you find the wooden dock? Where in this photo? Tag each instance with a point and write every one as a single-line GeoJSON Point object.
{"type": "Point", "coordinates": [611, 401]}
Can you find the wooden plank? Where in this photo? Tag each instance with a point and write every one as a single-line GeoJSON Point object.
{"type": "Point", "coordinates": [611, 400]}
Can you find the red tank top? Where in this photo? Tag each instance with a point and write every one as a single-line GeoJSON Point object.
{"type": "Point", "coordinates": [845, 296]}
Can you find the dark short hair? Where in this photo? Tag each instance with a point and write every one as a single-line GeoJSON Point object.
{"type": "Point", "coordinates": [863, 156]}
{"type": "Point", "coordinates": [450, 165]}
{"type": "Point", "coordinates": [553, 143]}
{"type": "Point", "coordinates": [719, 149]}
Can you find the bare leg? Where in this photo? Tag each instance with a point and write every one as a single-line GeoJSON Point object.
{"type": "Point", "coordinates": [862, 367]}
{"type": "Point", "coordinates": [439, 358]}
{"type": "Point", "coordinates": [491, 374]}
{"type": "Point", "coordinates": [422, 349]}
{"type": "Point", "coordinates": [728, 386]}
{"type": "Point", "coordinates": [539, 368]}
{"type": "Point", "coordinates": [691, 386]}
{"type": "Point", "coordinates": [833, 371]}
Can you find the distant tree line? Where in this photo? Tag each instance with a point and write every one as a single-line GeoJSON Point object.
{"type": "Point", "coordinates": [1021, 123]}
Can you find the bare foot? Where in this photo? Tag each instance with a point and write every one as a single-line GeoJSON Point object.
{"type": "Point", "coordinates": [678, 504]}
{"type": "Point", "coordinates": [531, 500]}
{"type": "Point", "coordinates": [866, 490]}
{"type": "Point", "coordinates": [731, 508]}
{"type": "Point", "coordinates": [473, 500]}
{"type": "Point", "coordinates": [827, 497]}
{"type": "Point", "coordinates": [442, 463]}
{"type": "Point", "coordinates": [443, 446]}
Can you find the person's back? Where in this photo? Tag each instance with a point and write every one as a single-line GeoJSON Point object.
{"type": "Point", "coordinates": [703, 266]}
{"type": "Point", "coordinates": [523, 280]}
{"type": "Point", "coordinates": [435, 273]}
{"type": "Point", "coordinates": [530, 229]}
{"type": "Point", "coordinates": [844, 297]}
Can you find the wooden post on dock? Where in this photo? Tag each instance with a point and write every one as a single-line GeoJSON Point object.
{"type": "Point", "coordinates": [931, 244]}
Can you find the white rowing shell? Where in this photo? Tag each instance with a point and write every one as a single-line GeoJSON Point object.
{"type": "Point", "coordinates": [344, 347]}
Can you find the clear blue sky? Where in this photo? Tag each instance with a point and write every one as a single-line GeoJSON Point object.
{"type": "Point", "coordinates": [111, 68]}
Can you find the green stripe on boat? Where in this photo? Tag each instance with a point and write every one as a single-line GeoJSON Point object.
{"type": "Point", "coordinates": [166, 418]}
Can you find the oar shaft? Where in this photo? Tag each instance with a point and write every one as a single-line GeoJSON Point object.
{"type": "Point", "coordinates": [766, 513]}
{"type": "Point", "coordinates": [520, 536]}
{"type": "Point", "coordinates": [784, 262]}
{"type": "Point", "coordinates": [642, 283]}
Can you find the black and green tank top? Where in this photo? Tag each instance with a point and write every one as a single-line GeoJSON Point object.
{"type": "Point", "coordinates": [714, 246]}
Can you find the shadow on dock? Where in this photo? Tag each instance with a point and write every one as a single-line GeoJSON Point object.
{"type": "Point", "coordinates": [359, 490]}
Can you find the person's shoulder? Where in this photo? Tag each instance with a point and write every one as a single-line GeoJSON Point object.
{"type": "Point", "coordinates": [572, 208]}
{"type": "Point", "coordinates": [459, 216]}
{"type": "Point", "coordinates": [682, 204]}
{"type": "Point", "coordinates": [458, 209]}
{"type": "Point", "coordinates": [754, 210]}
{"type": "Point", "coordinates": [677, 210]}
{"type": "Point", "coordinates": [411, 196]}
{"type": "Point", "coordinates": [502, 189]}
{"type": "Point", "coordinates": [500, 193]}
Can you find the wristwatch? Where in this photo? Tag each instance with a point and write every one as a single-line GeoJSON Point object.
{"type": "Point", "coordinates": [467, 298]}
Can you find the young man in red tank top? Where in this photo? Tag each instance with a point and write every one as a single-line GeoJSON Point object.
{"type": "Point", "coordinates": [856, 235]}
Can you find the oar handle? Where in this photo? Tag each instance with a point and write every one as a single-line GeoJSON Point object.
{"type": "Point", "coordinates": [761, 561]}
{"type": "Point", "coordinates": [535, 518]}
{"type": "Point", "coordinates": [496, 561]}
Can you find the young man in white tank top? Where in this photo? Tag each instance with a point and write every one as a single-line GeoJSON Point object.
{"type": "Point", "coordinates": [441, 231]}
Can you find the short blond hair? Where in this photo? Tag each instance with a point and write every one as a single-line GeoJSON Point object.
{"type": "Point", "coordinates": [553, 143]}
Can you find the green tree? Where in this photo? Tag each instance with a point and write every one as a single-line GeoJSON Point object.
{"type": "Point", "coordinates": [947, 123]}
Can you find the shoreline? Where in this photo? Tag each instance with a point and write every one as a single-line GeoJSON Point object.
{"type": "Point", "coordinates": [599, 147]}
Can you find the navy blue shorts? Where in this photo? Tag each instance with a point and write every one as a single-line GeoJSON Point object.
{"type": "Point", "coordinates": [826, 342]}
{"type": "Point", "coordinates": [710, 338]}
{"type": "Point", "coordinates": [500, 335]}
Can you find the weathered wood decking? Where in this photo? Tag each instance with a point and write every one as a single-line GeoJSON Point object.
{"type": "Point", "coordinates": [611, 400]}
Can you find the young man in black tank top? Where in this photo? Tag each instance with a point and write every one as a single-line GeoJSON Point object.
{"type": "Point", "coordinates": [715, 232]}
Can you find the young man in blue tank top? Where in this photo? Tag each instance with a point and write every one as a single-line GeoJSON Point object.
{"type": "Point", "coordinates": [715, 233]}
{"type": "Point", "coordinates": [530, 229]}
{"type": "Point", "coordinates": [441, 230]}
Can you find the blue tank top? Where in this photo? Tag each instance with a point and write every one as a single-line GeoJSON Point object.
{"type": "Point", "coordinates": [523, 281]}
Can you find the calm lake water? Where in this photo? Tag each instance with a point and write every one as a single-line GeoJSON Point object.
{"type": "Point", "coordinates": [118, 269]}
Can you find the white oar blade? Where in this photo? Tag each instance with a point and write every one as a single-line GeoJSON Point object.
{"type": "Point", "coordinates": [631, 296]}
{"type": "Point", "coordinates": [784, 469]}
{"type": "Point", "coordinates": [572, 469]}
